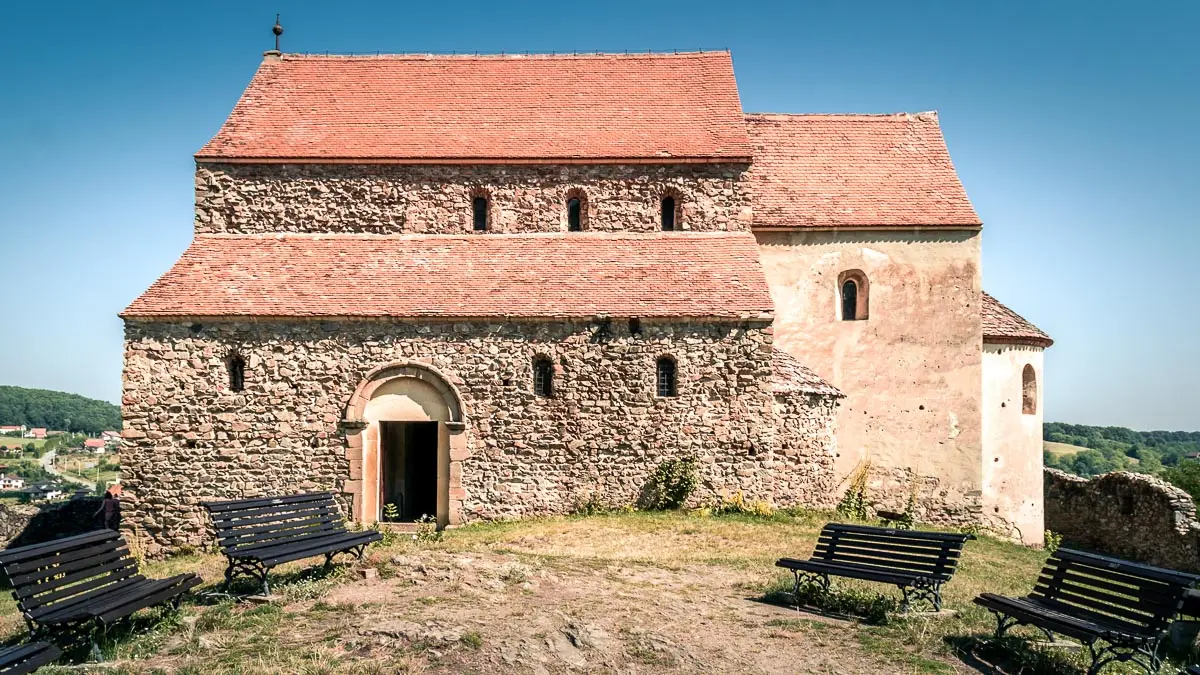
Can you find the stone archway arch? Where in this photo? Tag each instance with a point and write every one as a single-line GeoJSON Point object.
{"type": "Point", "coordinates": [362, 438]}
{"type": "Point", "coordinates": [376, 377]}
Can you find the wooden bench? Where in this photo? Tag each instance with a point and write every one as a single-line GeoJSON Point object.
{"type": "Point", "coordinates": [72, 587]}
{"type": "Point", "coordinates": [915, 561]}
{"type": "Point", "coordinates": [258, 534]}
{"type": "Point", "coordinates": [27, 658]}
{"type": "Point", "coordinates": [1092, 598]}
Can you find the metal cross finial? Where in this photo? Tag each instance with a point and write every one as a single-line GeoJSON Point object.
{"type": "Point", "coordinates": [277, 30]}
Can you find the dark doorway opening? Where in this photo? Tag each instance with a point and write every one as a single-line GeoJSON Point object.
{"type": "Point", "coordinates": [409, 470]}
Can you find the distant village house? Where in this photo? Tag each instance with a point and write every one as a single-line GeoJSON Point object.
{"type": "Point", "coordinates": [36, 432]}
{"type": "Point", "coordinates": [95, 445]}
{"type": "Point", "coordinates": [41, 493]}
{"type": "Point", "coordinates": [8, 482]}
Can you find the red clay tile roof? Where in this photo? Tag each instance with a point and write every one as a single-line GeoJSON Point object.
{"type": "Point", "coordinates": [673, 274]}
{"type": "Point", "coordinates": [789, 375]}
{"type": "Point", "coordinates": [655, 107]}
{"type": "Point", "coordinates": [94, 443]}
{"type": "Point", "coordinates": [854, 171]}
{"type": "Point", "coordinates": [1001, 324]}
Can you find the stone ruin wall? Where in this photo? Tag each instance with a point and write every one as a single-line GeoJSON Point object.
{"type": "Point", "coordinates": [1125, 515]}
{"type": "Point", "coordinates": [436, 199]}
{"type": "Point", "coordinates": [188, 439]}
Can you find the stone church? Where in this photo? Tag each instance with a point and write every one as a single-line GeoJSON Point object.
{"type": "Point", "coordinates": [477, 287]}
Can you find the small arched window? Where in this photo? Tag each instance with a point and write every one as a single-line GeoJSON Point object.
{"type": "Point", "coordinates": [668, 213]}
{"type": "Point", "coordinates": [574, 215]}
{"type": "Point", "coordinates": [543, 377]}
{"type": "Point", "coordinates": [853, 295]}
{"type": "Point", "coordinates": [479, 213]}
{"type": "Point", "coordinates": [666, 380]}
{"type": "Point", "coordinates": [1028, 390]}
{"type": "Point", "coordinates": [236, 366]}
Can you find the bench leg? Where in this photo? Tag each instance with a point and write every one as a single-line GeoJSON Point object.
{"type": "Point", "coordinates": [930, 593]}
{"type": "Point", "coordinates": [1003, 623]}
{"type": "Point", "coordinates": [802, 577]}
{"type": "Point", "coordinates": [1145, 656]}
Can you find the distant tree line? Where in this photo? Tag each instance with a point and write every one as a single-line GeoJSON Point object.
{"type": "Point", "coordinates": [1170, 455]}
{"type": "Point", "coordinates": [56, 410]}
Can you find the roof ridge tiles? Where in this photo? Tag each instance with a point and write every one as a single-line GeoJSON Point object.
{"type": "Point", "coordinates": [902, 115]}
{"type": "Point", "coordinates": [425, 56]}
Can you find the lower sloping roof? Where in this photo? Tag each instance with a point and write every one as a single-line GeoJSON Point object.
{"type": "Point", "coordinates": [1001, 324]}
{"type": "Point", "coordinates": [789, 375]}
{"type": "Point", "coordinates": [854, 171]}
{"type": "Point", "coordinates": [578, 274]}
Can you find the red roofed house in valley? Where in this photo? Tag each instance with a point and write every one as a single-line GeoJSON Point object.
{"type": "Point", "coordinates": [490, 286]}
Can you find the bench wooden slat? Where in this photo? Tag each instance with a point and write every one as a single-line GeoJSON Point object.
{"type": "Point", "coordinates": [279, 530]}
{"type": "Point", "coordinates": [22, 659]}
{"type": "Point", "coordinates": [294, 538]}
{"type": "Point", "coordinates": [340, 544]}
{"type": "Point", "coordinates": [1133, 570]}
{"type": "Point", "coordinates": [924, 548]}
{"type": "Point", "coordinates": [243, 504]}
{"type": "Point", "coordinates": [1157, 591]}
{"type": "Point", "coordinates": [50, 575]}
{"type": "Point", "coordinates": [44, 604]}
{"type": "Point", "coordinates": [274, 510]}
{"type": "Point", "coordinates": [917, 568]}
{"type": "Point", "coordinates": [883, 554]}
{"type": "Point", "coordinates": [1139, 613]}
{"type": "Point", "coordinates": [23, 553]}
{"type": "Point", "coordinates": [274, 517]}
{"type": "Point", "coordinates": [1126, 597]}
{"type": "Point", "coordinates": [902, 534]}
{"type": "Point", "coordinates": [1081, 570]}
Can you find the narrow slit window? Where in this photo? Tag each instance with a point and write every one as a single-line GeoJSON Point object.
{"type": "Point", "coordinates": [667, 384]}
{"type": "Point", "coordinates": [237, 373]}
{"type": "Point", "coordinates": [479, 207]}
{"type": "Point", "coordinates": [574, 215]}
{"type": "Point", "coordinates": [853, 293]}
{"type": "Point", "coordinates": [1028, 390]}
{"type": "Point", "coordinates": [668, 214]}
{"type": "Point", "coordinates": [543, 377]}
{"type": "Point", "coordinates": [849, 300]}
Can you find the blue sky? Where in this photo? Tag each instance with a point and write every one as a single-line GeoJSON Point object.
{"type": "Point", "coordinates": [1071, 124]}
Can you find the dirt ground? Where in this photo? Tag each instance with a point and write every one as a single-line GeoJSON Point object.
{"type": "Point", "coordinates": [487, 612]}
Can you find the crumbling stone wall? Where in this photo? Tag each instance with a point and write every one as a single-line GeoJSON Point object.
{"type": "Point", "coordinates": [189, 439]}
{"type": "Point", "coordinates": [1126, 515]}
{"type": "Point", "coordinates": [436, 199]}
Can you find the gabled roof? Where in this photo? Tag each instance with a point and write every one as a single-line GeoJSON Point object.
{"type": "Point", "coordinates": [789, 375]}
{"type": "Point", "coordinates": [580, 274]}
{"type": "Point", "coordinates": [1002, 325]}
{"type": "Point", "coordinates": [854, 171]}
{"type": "Point", "coordinates": [504, 108]}
{"type": "Point", "coordinates": [94, 443]}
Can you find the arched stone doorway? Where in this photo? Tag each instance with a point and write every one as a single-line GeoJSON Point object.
{"type": "Point", "coordinates": [406, 440]}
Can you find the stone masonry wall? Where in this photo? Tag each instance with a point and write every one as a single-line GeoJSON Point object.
{"type": "Point", "coordinates": [1125, 515]}
{"type": "Point", "coordinates": [188, 439]}
{"type": "Point", "coordinates": [436, 199]}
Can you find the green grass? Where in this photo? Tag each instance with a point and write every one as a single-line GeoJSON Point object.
{"type": "Point", "coordinates": [10, 442]}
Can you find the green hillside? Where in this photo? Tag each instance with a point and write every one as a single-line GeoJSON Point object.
{"type": "Point", "coordinates": [56, 410]}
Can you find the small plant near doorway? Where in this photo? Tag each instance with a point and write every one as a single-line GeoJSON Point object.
{"type": "Point", "coordinates": [427, 530]}
{"type": "Point", "coordinates": [391, 512]}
